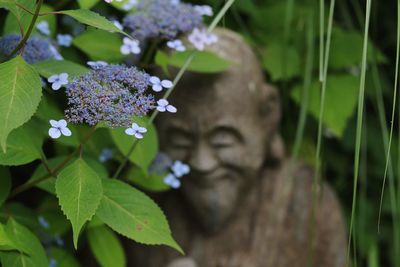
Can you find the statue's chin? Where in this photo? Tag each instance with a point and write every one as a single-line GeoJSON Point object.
{"type": "Point", "coordinates": [211, 208]}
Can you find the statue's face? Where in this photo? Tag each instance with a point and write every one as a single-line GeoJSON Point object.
{"type": "Point", "coordinates": [218, 132]}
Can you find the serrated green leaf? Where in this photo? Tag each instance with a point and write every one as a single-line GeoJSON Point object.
{"type": "Point", "coordinates": [5, 184]}
{"type": "Point", "coordinates": [63, 257]}
{"type": "Point", "coordinates": [79, 191]}
{"type": "Point", "coordinates": [87, 4]}
{"type": "Point", "coordinates": [93, 19]}
{"type": "Point", "coordinates": [338, 109]}
{"type": "Point", "coordinates": [20, 93]}
{"type": "Point", "coordinates": [22, 147]}
{"type": "Point", "coordinates": [26, 240]}
{"type": "Point", "coordinates": [203, 61]}
{"type": "Point", "coordinates": [161, 59]}
{"type": "Point", "coordinates": [145, 150]}
{"type": "Point", "coordinates": [106, 247]}
{"type": "Point", "coordinates": [89, 43]}
{"type": "Point", "coordinates": [133, 214]}
{"type": "Point", "coordinates": [50, 67]}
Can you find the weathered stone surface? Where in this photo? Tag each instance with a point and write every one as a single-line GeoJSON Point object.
{"type": "Point", "coordinates": [243, 204]}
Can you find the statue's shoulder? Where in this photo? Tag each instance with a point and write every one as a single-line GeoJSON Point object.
{"type": "Point", "coordinates": [322, 209]}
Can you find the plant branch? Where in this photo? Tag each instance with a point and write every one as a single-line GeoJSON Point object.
{"type": "Point", "coordinates": [29, 31]}
{"type": "Point", "coordinates": [54, 172]}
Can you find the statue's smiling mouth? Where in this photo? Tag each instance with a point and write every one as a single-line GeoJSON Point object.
{"type": "Point", "coordinates": [208, 180]}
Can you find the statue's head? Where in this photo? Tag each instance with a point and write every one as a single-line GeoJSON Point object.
{"type": "Point", "coordinates": [224, 129]}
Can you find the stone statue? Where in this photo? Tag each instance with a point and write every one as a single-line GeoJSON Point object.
{"type": "Point", "coordinates": [243, 204]}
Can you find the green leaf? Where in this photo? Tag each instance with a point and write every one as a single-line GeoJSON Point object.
{"type": "Point", "coordinates": [93, 19]}
{"type": "Point", "coordinates": [23, 147]}
{"type": "Point", "coordinates": [133, 214]}
{"type": "Point", "coordinates": [89, 43]}
{"type": "Point", "coordinates": [5, 184]}
{"type": "Point", "coordinates": [50, 67]}
{"type": "Point", "coordinates": [63, 258]}
{"type": "Point", "coordinates": [19, 212]}
{"type": "Point", "coordinates": [343, 55]}
{"type": "Point", "coordinates": [273, 61]}
{"type": "Point", "coordinates": [6, 242]}
{"type": "Point", "coordinates": [87, 4]}
{"type": "Point", "coordinates": [20, 93]}
{"type": "Point", "coordinates": [145, 150]}
{"type": "Point", "coordinates": [106, 247]}
{"type": "Point", "coordinates": [338, 109]}
{"type": "Point", "coordinates": [26, 240]}
{"type": "Point", "coordinates": [203, 61]}
{"type": "Point", "coordinates": [151, 181]}
{"type": "Point", "coordinates": [161, 59]}
{"type": "Point", "coordinates": [79, 191]}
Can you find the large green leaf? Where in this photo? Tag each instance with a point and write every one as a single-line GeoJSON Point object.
{"type": "Point", "coordinates": [203, 61]}
{"type": "Point", "coordinates": [133, 214]}
{"type": "Point", "coordinates": [5, 184]}
{"type": "Point", "coordinates": [89, 43]}
{"type": "Point", "coordinates": [35, 255]}
{"type": "Point", "coordinates": [86, 4]}
{"type": "Point", "coordinates": [338, 109]}
{"type": "Point", "coordinates": [23, 146]}
{"type": "Point", "coordinates": [50, 67]}
{"type": "Point", "coordinates": [145, 150]}
{"type": "Point", "coordinates": [79, 191]}
{"type": "Point", "coordinates": [20, 93]}
{"type": "Point", "coordinates": [93, 19]}
{"type": "Point", "coordinates": [106, 247]}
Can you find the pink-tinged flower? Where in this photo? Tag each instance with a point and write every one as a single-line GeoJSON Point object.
{"type": "Point", "coordinates": [200, 38]}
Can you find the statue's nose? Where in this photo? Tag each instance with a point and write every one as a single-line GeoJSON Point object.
{"type": "Point", "coordinates": [202, 159]}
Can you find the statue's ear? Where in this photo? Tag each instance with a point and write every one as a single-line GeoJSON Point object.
{"type": "Point", "coordinates": [270, 108]}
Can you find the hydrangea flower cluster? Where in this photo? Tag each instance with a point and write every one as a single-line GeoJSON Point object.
{"type": "Point", "coordinates": [162, 18]}
{"type": "Point", "coordinates": [109, 93]}
{"type": "Point", "coordinates": [36, 49]}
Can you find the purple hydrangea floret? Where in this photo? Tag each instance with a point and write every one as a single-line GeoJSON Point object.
{"type": "Point", "coordinates": [36, 49]}
{"type": "Point", "coordinates": [162, 18]}
{"type": "Point", "coordinates": [111, 94]}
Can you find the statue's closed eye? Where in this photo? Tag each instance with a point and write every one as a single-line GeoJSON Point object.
{"type": "Point", "coordinates": [225, 137]}
{"type": "Point", "coordinates": [179, 139]}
